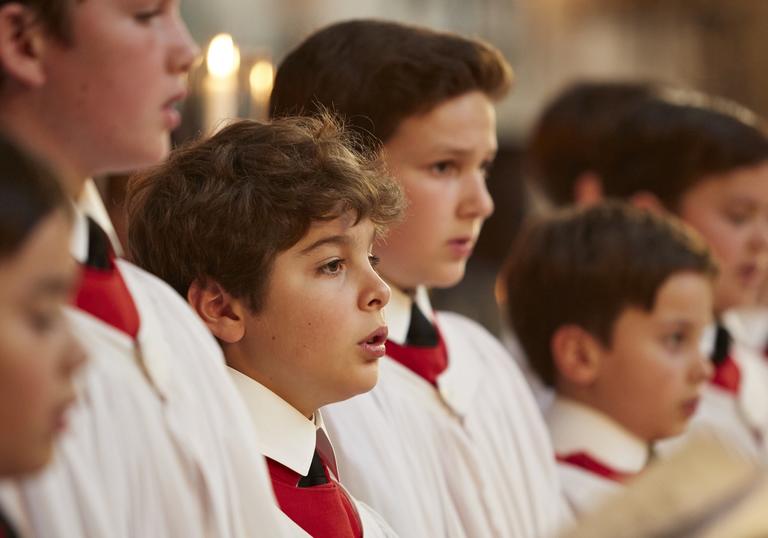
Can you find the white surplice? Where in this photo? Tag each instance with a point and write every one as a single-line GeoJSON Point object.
{"type": "Point", "coordinates": [469, 459]}
{"type": "Point", "coordinates": [576, 428]}
{"type": "Point", "coordinates": [160, 443]}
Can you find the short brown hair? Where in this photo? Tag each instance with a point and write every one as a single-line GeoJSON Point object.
{"type": "Point", "coordinates": [29, 191]}
{"type": "Point", "coordinates": [374, 74]}
{"type": "Point", "coordinates": [224, 207]}
{"type": "Point", "coordinates": [585, 266]}
{"type": "Point", "coordinates": [669, 144]}
{"type": "Point", "coordinates": [53, 14]}
{"type": "Point", "coordinates": [572, 132]}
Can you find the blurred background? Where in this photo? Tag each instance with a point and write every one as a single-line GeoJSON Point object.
{"type": "Point", "coordinates": [716, 46]}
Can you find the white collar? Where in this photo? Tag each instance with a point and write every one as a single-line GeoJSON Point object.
{"type": "Point", "coordinates": [575, 427]}
{"type": "Point", "coordinates": [78, 243]}
{"type": "Point", "coordinates": [284, 434]}
{"type": "Point", "coordinates": [397, 313]}
{"type": "Point", "coordinates": [90, 204]}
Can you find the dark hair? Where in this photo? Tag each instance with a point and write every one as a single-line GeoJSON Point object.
{"type": "Point", "coordinates": [668, 144]}
{"type": "Point", "coordinates": [374, 74]}
{"type": "Point", "coordinates": [585, 266]}
{"type": "Point", "coordinates": [29, 191]}
{"type": "Point", "coordinates": [53, 14]}
{"type": "Point", "coordinates": [571, 134]}
{"type": "Point", "coordinates": [224, 207]}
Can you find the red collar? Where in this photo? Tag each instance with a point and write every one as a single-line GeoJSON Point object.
{"type": "Point", "coordinates": [588, 463]}
{"type": "Point", "coordinates": [427, 362]}
{"type": "Point", "coordinates": [727, 375]}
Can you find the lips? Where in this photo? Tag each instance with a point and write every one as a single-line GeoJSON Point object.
{"type": "Point", "coordinates": [374, 344]}
{"type": "Point", "coordinates": [689, 407]}
{"type": "Point", "coordinates": [461, 246]}
{"type": "Point", "coordinates": [171, 112]}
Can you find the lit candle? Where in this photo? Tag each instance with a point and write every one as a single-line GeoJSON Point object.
{"type": "Point", "coordinates": [261, 80]}
{"type": "Point", "coordinates": [220, 85]}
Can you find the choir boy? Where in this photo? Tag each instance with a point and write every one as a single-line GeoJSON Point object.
{"type": "Point", "coordinates": [266, 229]}
{"type": "Point", "coordinates": [160, 444]}
{"type": "Point", "coordinates": [612, 305]}
{"type": "Point", "coordinates": [451, 419]}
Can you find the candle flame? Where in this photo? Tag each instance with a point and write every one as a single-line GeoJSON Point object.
{"type": "Point", "coordinates": [223, 58]}
{"type": "Point", "coordinates": [261, 78]}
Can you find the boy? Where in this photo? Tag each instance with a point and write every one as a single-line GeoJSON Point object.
{"type": "Point", "coordinates": [160, 444]}
{"type": "Point", "coordinates": [451, 420]}
{"type": "Point", "coordinates": [267, 231]}
{"type": "Point", "coordinates": [567, 143]}
{"type": "Point", "coordinates": [706, 161]}
{"type": "Point", "coordinates": [38, 356]}
{"type": "Point", "coordinates": [616, 332]}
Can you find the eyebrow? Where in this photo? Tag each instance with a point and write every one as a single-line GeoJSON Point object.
{"type": "Point", "coordinates": [53, 286]}
{"type": "Point", "coordinates": [341, 240]}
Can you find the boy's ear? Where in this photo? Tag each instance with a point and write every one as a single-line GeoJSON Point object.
{"type": "Point", "coordinates": [588, 189]}
{"type": "Point", "coordinates": [577, 355]}
{"type": "Point", "coordinates": [648, 201]}
{"type": "Point", "coordinates": [222, 313]}
{"type": "Point", "coordinates": [22, 40]}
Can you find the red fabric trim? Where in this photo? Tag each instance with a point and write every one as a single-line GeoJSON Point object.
{"type": "Point", "coordinates": [727, 375]}
{"type": "Point", "coordinates": [588, 463]}
{"type": "Point", "coordinates": [103, 294]}
{"type": "Point", "coordinates": [323, 511]}
{"type": "Point", "coordinates": [427, 362]}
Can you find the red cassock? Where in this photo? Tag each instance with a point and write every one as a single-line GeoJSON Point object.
{"type": "Point", "coordinates": [323, 511]}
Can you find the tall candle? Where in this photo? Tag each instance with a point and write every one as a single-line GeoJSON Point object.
{"type": "Point", "coordinates": [220, 84]}
{"type": "Point", "coordinates": [261, 79]}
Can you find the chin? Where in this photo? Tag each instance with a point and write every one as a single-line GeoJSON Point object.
{"type": "Point", "coordinates": [32, 461]}
{"type": "Point", "coordinates": [447, 278]}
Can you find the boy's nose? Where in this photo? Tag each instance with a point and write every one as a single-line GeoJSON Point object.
{"type": "Point", "coordinates": [377, 294]}
{"type": "Point", "coordinates": [184, 49]}
{"type": "Point", "coordinates": [476, 201]}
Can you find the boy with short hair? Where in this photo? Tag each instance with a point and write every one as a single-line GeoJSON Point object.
{"type": "Point", "coordinates": [160, 445]}
{"type": "Point", "coordinates": [611, 305]}
{"type": "Point", "coordinates": [38, 355]}
{"type": "Point", "coordinates": [451, 421]}
{"type": "Point", "coordinates": [267, 231]}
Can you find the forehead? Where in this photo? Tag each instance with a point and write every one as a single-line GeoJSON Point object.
{"type": "Point", "coordinates": [747, 184]}
{"type": "Point", "coordinates": [466, 123]}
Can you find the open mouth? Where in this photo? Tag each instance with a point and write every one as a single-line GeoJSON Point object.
{"type": "Point", "coordinates": [376, 338]}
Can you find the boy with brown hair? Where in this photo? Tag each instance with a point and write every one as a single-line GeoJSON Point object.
{"type": "Point", "coordinates": [451, 421]}
{"type": "Point", "coordinates": [266, 230]}
{"type": "Point", "coordinates": [611, 305]}
{"type": "Point", "coordinates": [160, 445]}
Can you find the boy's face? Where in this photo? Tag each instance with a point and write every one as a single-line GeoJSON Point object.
{"type": "Point", "coordinates": [108, 97]}
{"type": "Point", "coordinates": [321, 332]}
{"type": "Point", "coordinates": [731, 212]}
{"type": "Point", "coordinates": [651, 374]}
{"type": "Point", "coordinates": [37, 354]}
{"type": "Point", "coordinates": [440, 159]}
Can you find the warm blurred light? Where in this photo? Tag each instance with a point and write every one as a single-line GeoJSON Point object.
{"type": "Point", "coordinates": [261, 78]}
{"type": "Point", "coordinates": [223, 58]}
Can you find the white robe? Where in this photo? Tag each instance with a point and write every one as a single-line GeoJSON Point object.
{"type": "Point", "coordinates": [470, 460]}
{"type": "Point", "coordinates": [159, 444]}
{"type": "Point", "coordinates": [576, 428]}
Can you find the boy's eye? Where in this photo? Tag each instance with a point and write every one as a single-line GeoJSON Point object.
{"type": "Point", "coordinates": [485, 167]}
{"type": "Point", "coordinates": [444, 168]}
{"type": "Point", "coordinates": [333, 267]}
{"type": "Point", "coordinates": [674, 341]}
{"type": "Point", "coordinates": [43, 321]}
{"type": "Point", "coordinates": [374, 260]}
{"type": "Point", "coordinates": [145, 17]}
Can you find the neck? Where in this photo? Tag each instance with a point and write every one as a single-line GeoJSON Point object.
{"type": "Point", "coordinates": [28, 130]}
{"type": "Point", "coordinates": [296, 393]}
